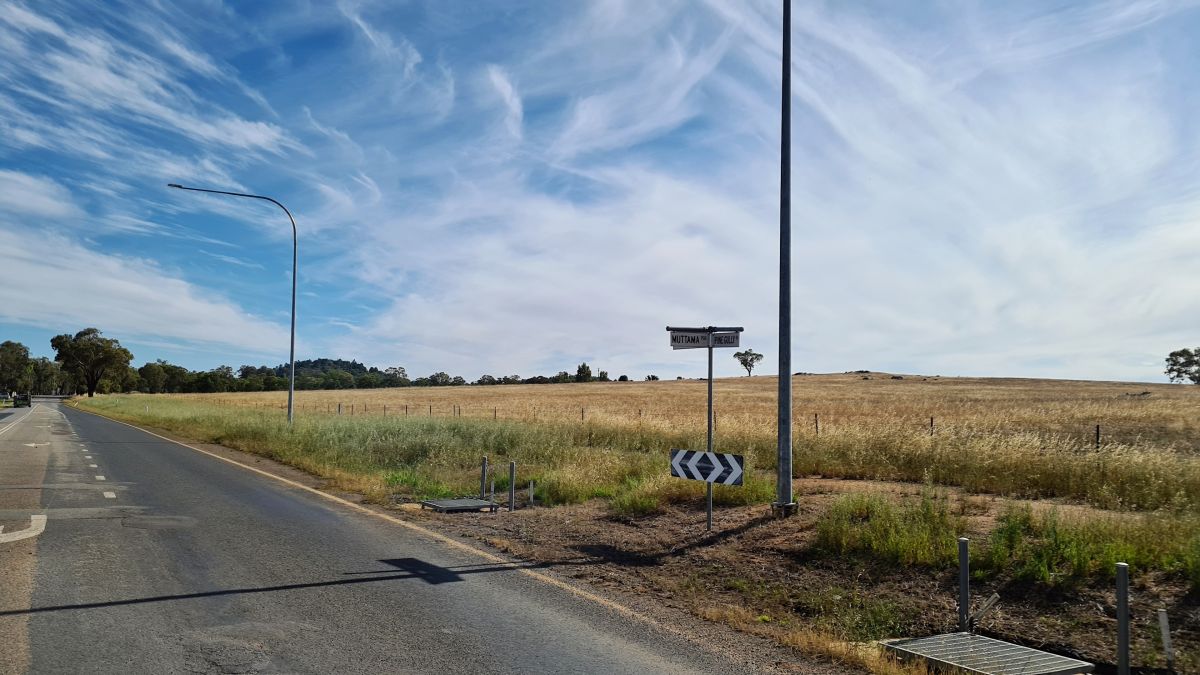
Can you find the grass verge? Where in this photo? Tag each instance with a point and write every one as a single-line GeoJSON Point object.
{"type": "Point", "coordinates": [1045, 547]}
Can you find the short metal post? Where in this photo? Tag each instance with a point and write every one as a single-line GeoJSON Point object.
{"type": "Point", "coordinates": [406, 410]}
{"type": "Point", "coordinates": [339, 408]}
{"type": "Point", "coordinates": [512, 487]}
{"type": "Point", "coordinates": [492, 495]}
{"type": "Point", "coordinates": [385, 410]}
{"type": "Point", "coordinates": [495, 413]}
{"type": "Point", "coordinates": [431, 410]}
{"type": "Point", "coordinates": [964, 585]}
{"type": "Point", "coordinates": [483, 479]}
{"type": "Point", "coordinates": [817, 424]}
{"type": "Point", "coordinates": [931, 426]}
{"type": "Point", "coordinates": [581, 414]}
{"type": "Point", "coordinates": [1097, 436]}
{"type": "Point", "coordinates": [1164, 625]}
{"type": "Point", "coordinates": [709, 528]}
{"type": "Point", "coordinates": [531, 493]}
{"type": "Point", "coordinates": [1122, 619]}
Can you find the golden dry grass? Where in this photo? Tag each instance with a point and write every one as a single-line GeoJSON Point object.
{"type": "Point", "coordinates": [1167, 416]}
{"type": "Point", "coordinates": [1023, 438]}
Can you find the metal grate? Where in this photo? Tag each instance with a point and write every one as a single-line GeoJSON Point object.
{"type": "Point", "coordinates": [453, 505]}
{"type": "Point", "coordinates": [971, 653]}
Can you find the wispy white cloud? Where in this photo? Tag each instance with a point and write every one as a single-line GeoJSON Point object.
{"type": "Point", "coordinates": [396, 50]}
{"type": "Point", "coordinates": [139, 300]}
{"type": "Point", "coordinates": [508, 94]}
{"type": "Point", "coordinates": [998, 189]}
{"type": "Point", "coordinates": [22, 194]}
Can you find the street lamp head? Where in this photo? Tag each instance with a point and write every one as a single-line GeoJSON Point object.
{"type": "Point", "coordinates": [175, 185]}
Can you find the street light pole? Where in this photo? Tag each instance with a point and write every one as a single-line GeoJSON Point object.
{"type": "Point", "coordinates": [784, 504]}
{"type": "Point", "coordinates": [292, 348]}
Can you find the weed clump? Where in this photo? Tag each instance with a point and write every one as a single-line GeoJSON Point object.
{"type": "Point", "coordinates": [921, 534]}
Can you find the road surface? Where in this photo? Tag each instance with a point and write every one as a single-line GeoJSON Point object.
{"type": "Point", "coordinates": [156, 558]}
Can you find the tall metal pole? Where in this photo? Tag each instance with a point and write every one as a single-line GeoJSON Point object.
{"type": "Point", "coordinates": [295, 248]}
{"type": "Point", "coordinates": [784, 505]}
{"type": "Point", "coordinates": [710, 424]}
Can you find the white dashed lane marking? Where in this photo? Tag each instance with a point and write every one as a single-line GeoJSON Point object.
{"type": "Point", "coordinates": [92, 466]}
{"type": "Point", "coordinates": [110, 495]}
{"type": "Point", "coordinates": [100, 478]}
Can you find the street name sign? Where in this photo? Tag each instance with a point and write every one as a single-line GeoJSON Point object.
{"type": "Point", "coordinates": [710, 467]}
{"type": "Point", "coordinates": [689, 340]}
{"type": "Point", "coordinates": [699, 340]}
{"type": "Point", "coordinates": [726, 339]}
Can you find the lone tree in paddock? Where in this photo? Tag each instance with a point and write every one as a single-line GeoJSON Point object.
{"type": "Point", "coordinates": [1184, 365]}
{"type": "Point", "coordinates": [748, 359]}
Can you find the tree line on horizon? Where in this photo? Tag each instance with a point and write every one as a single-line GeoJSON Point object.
{"type": "Point", "coordinates": [89, 363]}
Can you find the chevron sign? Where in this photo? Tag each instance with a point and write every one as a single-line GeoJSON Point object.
{"type": "Point", "coordinates": [711, 467]}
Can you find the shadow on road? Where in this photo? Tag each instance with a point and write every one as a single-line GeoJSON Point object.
{"type": "Point", "coordinates": [413, 568]}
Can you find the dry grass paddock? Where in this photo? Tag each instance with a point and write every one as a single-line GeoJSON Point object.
{"type": "Point", "coordinates": [1014, 437]}
{"type": "Point", "coordinates": [1136, 497]}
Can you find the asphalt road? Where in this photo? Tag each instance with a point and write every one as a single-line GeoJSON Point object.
{"type": "Point", "coordinates": [159, 559]}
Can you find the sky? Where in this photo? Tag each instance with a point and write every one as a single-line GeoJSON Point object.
{"type": "Point", "coordinates": [978, 188]}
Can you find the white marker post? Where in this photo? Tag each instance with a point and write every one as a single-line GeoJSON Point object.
{"type": "Point", "coordinates": [706, 338]}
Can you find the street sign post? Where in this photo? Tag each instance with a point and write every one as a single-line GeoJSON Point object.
{"type": "Point", "coordinates": [709, 337]}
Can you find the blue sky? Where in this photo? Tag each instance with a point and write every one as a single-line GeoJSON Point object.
{"type": "Point", "coordinates": [978, 188]}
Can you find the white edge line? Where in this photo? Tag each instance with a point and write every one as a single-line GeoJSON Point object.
{"type": "Point", "coordinates": [437, 536]}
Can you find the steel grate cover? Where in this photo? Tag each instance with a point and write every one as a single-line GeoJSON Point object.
{"type": "Point", "coordinates": [454, 505]}
{"type": "Point", "coordinates": [971, 653]}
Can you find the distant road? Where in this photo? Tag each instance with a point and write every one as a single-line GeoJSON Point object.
{"type": "Point", "coordinates": [159, 559]}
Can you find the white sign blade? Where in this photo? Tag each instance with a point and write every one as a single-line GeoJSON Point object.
{"type": "Point", "coordinates": [726, 339]}
{"type": "Point", "coordinates": [688, 340]}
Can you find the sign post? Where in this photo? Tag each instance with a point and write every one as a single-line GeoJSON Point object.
{"type": "Point", "coordinates": [708, 338]}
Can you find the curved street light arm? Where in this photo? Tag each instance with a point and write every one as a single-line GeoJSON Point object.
{"type": "Point", "coordinates": [295, 248]}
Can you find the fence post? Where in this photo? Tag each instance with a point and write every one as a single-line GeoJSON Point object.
{"type": "Point", "coordinates": [531, 493]}
{"type": "Point", "coordinates": [339, 408]}
{"type": "Point", "coordinates": [512, 487]}
{"type": "Point", "coordinates": [580, 413]}
{"type": "Point", "coordinates": [964, 585]}
{"type": "Point", "coordinates": [931, 425]}
{"type": "Point", "coordinates": [817, 424]}
{"type": "Point", "coordinates": [495, 413]}
{"type": "Point", "coordinates": [1097, 436]}
{"type": "Point", "coordinates": [1122, 619]}
{"type": "Point", "coordinates": [483, 479]}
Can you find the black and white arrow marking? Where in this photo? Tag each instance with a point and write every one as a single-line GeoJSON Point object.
{"type": "Point", "coordinates": [710, 467]}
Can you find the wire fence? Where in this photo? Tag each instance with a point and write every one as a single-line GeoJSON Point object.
{"type": "Point", "coordinates": [1177, 435]}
